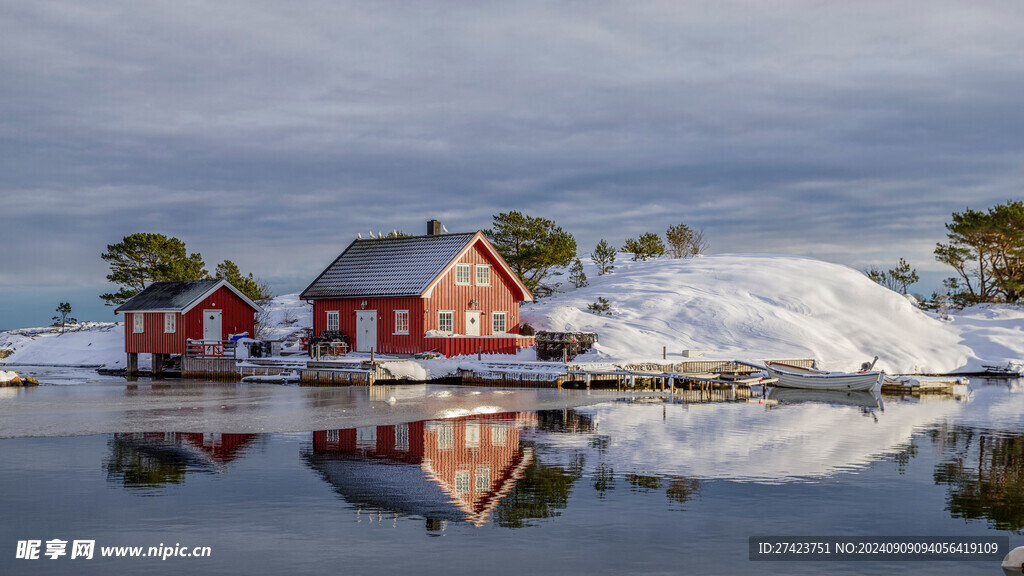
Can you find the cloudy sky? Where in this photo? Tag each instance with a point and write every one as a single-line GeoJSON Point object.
{"type": "Point", "coordinates": [270, 133]}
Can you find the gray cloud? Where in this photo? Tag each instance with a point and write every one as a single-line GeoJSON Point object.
{"type": "Point", "coordinates": [270, 134]}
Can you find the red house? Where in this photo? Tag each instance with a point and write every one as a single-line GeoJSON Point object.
{"type": "Point", "coordinates": [162, 318]}
{"type": "Point", "coordinates": [446, 293]}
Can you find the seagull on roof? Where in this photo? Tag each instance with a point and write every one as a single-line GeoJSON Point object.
{"type": "Point", "coordinates": [371, 234]}
{"type": "Point", "coordinates": [359, 235]}
{"type": "Point", "coordinates": [444, 229]}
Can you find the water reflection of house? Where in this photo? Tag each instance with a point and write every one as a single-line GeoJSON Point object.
{"type": "Point", "coordinates": [456, 470]}
{"type": "Point", "coordinates": [154, 459]}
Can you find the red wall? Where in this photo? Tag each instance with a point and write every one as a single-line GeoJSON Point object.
{"type": "Point", "coordinates": [387, 341]}
{"type": "Point", "coordinates": [423, 312]}
{"type": "Point", "coordinates": [237, 317]}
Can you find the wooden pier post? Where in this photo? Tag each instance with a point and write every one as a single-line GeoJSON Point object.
{"type": "Point", "coordinates": [132, 367]}
{"type": "Point", "coordinates": [672, 384]}
{"type": "Point", "coordinates": [588, 381]}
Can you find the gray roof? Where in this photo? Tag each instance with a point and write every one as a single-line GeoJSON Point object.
{"type": "Point", "coordinates": [388, 266]}
{"type": "Point", "coordinates": [167, 295]}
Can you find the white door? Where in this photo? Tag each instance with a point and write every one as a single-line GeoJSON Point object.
{"type": "Point", "coordinates": [212, 325]}
{"type": "Point", "coordinates": [472, 323]}
{"type": "Point", "coordinates": [366, 330]}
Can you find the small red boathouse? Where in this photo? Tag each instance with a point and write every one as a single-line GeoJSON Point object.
{"type": "Point", "coordinates": [162, 318]}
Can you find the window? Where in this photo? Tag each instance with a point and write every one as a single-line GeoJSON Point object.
{"type": "Point", "coordinates": [483, 275]}
{"type": "Point", "coordinates": [138, 323]}
{"type": "Point", "coordinates": [401, 321]}
{"type": "Point", "coordinates": [445, 321]}
{"type": "Point", "coordinates": [402, 437]}
{"type": "Point", "coordinates": [499, 322]}
{"type": "Point", "coordinates": [462, 273]}
{"type": "Point", "coordinates": [332, 320]}
{"type": "Point", "coordinates": [497, 435]}
{"type": "Point", "coordinates": [170, 321]}
{"type": "Point", "coordinates": [472, 434]}
{"type": "Point", "coordinates": [445, 436]}
{"type": "Point", "coordinates": [483, 479]}
{"type": "Point", "coordinates": [461, 482]}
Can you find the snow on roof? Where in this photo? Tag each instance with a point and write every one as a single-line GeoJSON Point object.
{"type": "Point", "coordinates": [388, 266]}
{"type": "Point", "coordinates": [176, 295]}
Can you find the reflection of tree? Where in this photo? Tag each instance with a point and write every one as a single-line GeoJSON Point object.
{"type": "Point", "coordinates": [985, 474]}
{"type": "Point", "coordinates": [904, 456]}
{"type": "Point", "coordinates": [542, 492]}
{"type": "Point", "coordinates": [136, 467]}
{"type": "Point", "coordinates": [641, 483]}
{"type": "Point", "coordinates": [604, 479]}
{"type": "Point", "coordinates": [681, 490]}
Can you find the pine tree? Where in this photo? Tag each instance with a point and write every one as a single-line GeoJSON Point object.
{"type": "Point", "coordinates": [649, 245]}
{"type": "Point", "coordinates": [142, 258]}
{"type": "Point", "coordinates": [576, 274]}
{"type": "Point", "coordinates": [604, 256]}
{"type": "Point", "coordinates": [903, 275]}
{"type": "Point", "coordinates": [252, 287]}
{"type": "Point", "coordinates": [531, 245]}
{"type": "Point", "coordinates": [63, 317]}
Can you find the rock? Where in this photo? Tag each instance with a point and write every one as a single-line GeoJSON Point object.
{"type": "Point", "coordinates": [29, 381]}
{"type": "Point", "coordinates": [9, 378]}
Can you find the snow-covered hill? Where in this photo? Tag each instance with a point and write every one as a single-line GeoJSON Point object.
{"type": "Point", "coordinates": [755, 307]}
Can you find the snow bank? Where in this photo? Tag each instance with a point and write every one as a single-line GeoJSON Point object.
{"type": "Point", "coordinates": [994, 332]}
{"type": "Point", "coordinates": [84, 344]}
{"type": "Point", "coordinates": [752, 307]}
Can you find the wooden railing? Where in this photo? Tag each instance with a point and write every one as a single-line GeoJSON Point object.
{"type": "Point", "coordinates": [210, 348]}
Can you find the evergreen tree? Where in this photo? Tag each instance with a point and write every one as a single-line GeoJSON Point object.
{"type": "Point", "coordinates": [531, 245]}
{"type": "Point", "coordinates": [679, 240]}
{"type": "Point", "coordinates": [576, 274]}
{"type": "Point", "coordinates": [143, 258]}
{"type": "Point", "coordinates": [63, 317]}
{"type": "Point", "coordinates": [604, 256]}
{"type": "Point", "coordinates": [903, 275]}
{"type": "Point", "coordinates": [986, 249]}
{"type": "Point", "coordinates": [684, 242]}
{"type": "Point", "coordinates": [649, 245]}
{"type": "Point", "coordinates": [253, 288]}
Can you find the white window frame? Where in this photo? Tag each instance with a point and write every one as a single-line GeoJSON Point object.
{"type": "Point", "coordinates": [494, 322]}
{"type": "Point", "coordinates": [486, 269]}
{"type": "Point", "coordinates": [498, 435]}
{"type": "Point", "coordinates": [138, 323]}
{"type": "Point", "coordinates": [337, 320]}
{"type": "Point", "coordinates": [402, 437]}
{"type": "Point", "coordinates": [468, 269]}
{"type": "Point", "coordinates": [462, 482]}
{"type": "Point", "coordinates": [482, 480]}
{"type": "Point", "coordinates": [451, 324]}
{"type": "Point", "coordinates": [398, 322]}
{"type": "Point", "coordinates": [170, 322]}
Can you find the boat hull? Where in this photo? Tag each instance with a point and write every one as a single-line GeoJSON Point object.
{"type": "Point", "coordinates": [807, 381]}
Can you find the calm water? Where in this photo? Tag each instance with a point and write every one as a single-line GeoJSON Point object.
{"type": "Point", "coordinates": [609, 486]}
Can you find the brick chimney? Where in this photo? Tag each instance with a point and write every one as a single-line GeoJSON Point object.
{"type": "Point", "coordinates": [434, 228]}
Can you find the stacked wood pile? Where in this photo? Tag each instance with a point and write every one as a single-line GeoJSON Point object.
{"type": "Point", "coordinates": [559, 345]}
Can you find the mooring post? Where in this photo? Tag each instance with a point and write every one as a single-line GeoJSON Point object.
{"type": "Point", "coordinates": [672, 384]}
{"type": "Point", "coordinates": [664, 352]}
{"type": "Point", "coordinates": [632, 381]}
{"type": "Point", "coordinates": [565, 356]}
{"type": "Point", "coordinates": [371, 354]}
{"type": "Point", "coordinates": [588, 381]}
{"type": "Point", "coordinates": [479, 352]}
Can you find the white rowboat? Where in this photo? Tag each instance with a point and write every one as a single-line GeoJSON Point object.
{"type": "Point", "coordinates": [789, 376]}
